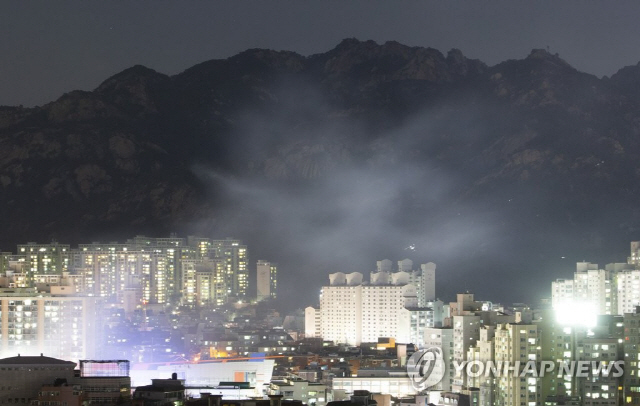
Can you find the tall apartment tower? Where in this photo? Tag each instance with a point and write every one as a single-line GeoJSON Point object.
{"type": "Point", "coordinates": [202, 246]}
{"type": "Point", "coordinates": [466, 331]}
{"type": "Point", "coordinates": [484, 351]}
{"type": "Point", "coordinates": [595, 389]}
{"type": "Point", "coordinates": [590, 285]}
{"type": "Point", "coordinates": [628, 289]}
{"type": "Point", "coordinates": [202, 282]}
{"type": "Point", "coordinates": [266, 280]}
{"type": "Point", "coordinates": [517, 342]}
{"type": "Point", "coordinates": [174, 249]}
{"type": "Point", "coordinates": [97, 263]}
{"type": "Point", "coordinates": [236, 259]}
{"type": "Point", "coordinates": [145, 271]}
{"type": "Point", "coordinates": [405, 265]}
{"type": "Point", "coordinates": [424, 279]}
{"type": "Point", "coordinates": [442, 337]}
{"type": "Point", "coordinates": [66, 327]}
{"type": "Point", "coordinates": [340, 310]}
{"type": "Point", "coordinates": [384, 266]}
{"type": "Point", "coordinates": [428, 281]}
{"type": "Point", "coordinates": [353, 311]}
{"type": "Point", "coordinates": [107, 270]}
{"type": "Point", "coordinates": [631, 356]}
{"type": "Point", "coordinates": [312, 322]}
{"type": "Point", "coordinates": [634, 258]}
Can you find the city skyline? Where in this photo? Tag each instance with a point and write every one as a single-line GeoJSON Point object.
{"type": "Point", "coordinates": [35, 262]}
{"type": "Point", "coordinates": [396, 309]}
{"type": "Point", "coordinates": [288, 203]}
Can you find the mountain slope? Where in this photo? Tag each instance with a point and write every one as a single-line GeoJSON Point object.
{"type": "Point", "coordinates": [367, 146]}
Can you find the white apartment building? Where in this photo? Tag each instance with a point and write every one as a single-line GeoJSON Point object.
{"type": "Point", "coordinates": [312, 324]}
{"type": "Point", "coordinates": [427, 290]}
{"type": "Point", "coordinates": [628, 286]}
{"type": "Point", "coordinates": [613, 290]}
{"type": "Point", "coordinates": [341, 310]}
{"type": "Point", "coordinates": [561, 291]}
{"type": "Point", "coordinates": [424, 279]}
{"type": "Point", "coordinates": [31, 323]}
{"type": "Point", "coordinates": [383, 312]}
{"type": "Point", "coordinates": [590, 286]}
{"type": "Point", "coordinates": [422, 318]}
{"type": "Point", "coordinates": [267, 280]}
{"type": "Point", "coordinates": [353, 311]}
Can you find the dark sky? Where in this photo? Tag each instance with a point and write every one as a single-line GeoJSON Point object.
{"type": "Point", "coordinates": [49, 47]}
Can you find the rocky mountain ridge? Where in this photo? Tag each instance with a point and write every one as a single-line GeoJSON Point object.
{"type": "Point", "coordinates": [137, 154]}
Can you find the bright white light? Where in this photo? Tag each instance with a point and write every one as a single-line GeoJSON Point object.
{"type": "Point", "coordinates": [580, 314]}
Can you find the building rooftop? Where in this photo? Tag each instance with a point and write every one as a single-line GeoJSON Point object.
{"type": "Point", "coordinates": [153, 388]}
{"type": "Point", "coordinates": [34, 360]}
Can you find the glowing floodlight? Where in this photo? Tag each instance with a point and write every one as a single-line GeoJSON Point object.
{"type": "Point", "coordinates": [576, 314]}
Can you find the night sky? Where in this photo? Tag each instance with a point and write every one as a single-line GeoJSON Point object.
{"type": "Point", "coordinates": [50, 47]}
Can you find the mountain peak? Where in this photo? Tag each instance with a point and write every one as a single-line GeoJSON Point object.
{"type": "Point", "coordinates": [257, 59]}
{"type": "Point", "coordinates": [354, 42]}
{"type": "Point", "coordinates": [135, 89]}
{"type": "Point", "coordinates": [539, 53]}
{"type": "Point", "coordinates": [546, 56]}
{"type": "Point", "coordinates": [134, 73]}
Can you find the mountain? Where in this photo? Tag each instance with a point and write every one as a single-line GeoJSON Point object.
{"type": "Point", "coordinates": [502, 174]}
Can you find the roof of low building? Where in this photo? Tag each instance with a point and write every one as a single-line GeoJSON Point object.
{"type": "Point", "coordinates": [34, 360]}
{"type": "Point", "coordinates": [155, 388]}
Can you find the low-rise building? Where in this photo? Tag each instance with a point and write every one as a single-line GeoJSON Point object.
{"type": "Point", "coordinates": [22, 377]}
{"type": "Point", "coordinates": [105, 381]}
{"type": "Point", "coordinates": [391, 381]}
{"type": "Point", "coordinates": [296, 388]}
{"type": "Point", "coordinates": [161, 392]}
{"type": "Point", "coordinates": [61, 393]}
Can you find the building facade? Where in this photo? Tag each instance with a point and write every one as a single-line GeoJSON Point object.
{"type": "Point", "coordinates": [65, 327]}
{"type": "Point", "coordinates": [266, 280]}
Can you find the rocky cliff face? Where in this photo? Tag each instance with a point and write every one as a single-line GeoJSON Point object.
{"type": "Point", "coordinates": [129, 157]}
